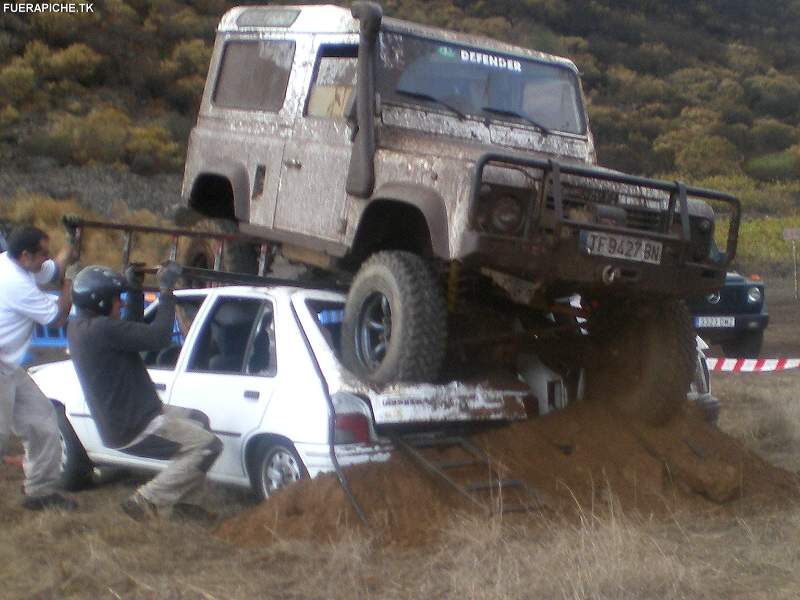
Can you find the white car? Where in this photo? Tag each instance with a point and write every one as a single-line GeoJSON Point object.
{"type": "Point", "coordinates": [260, 363]}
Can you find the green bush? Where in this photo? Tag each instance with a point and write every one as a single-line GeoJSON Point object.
{"type": "Point", "coordinates": [778, 166]}
{"type": "Point", "coordinates": [771, 135]}
{"type": "Point", "coordinates": [8, 116]}
{"type": "Point", "coordinates": [17, 81]}
{"type": "Point", "coordinates": [706, 155]}
{"type": "Point", "coordinates": [77, 62]}
{"type": "Point", "coordinates": [190, 58]}
{"type": "Point", "coordinates": [150, 149]}
{"type": "Point", "coordinates": [98, 137]}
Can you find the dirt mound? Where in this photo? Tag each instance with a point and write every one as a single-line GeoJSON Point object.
{"type": "Point", "coordinates": [582, 458]}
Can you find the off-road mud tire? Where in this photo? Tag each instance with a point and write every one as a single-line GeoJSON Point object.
{"type": "Point", "coordinates": [646, 359]}
{"type": "Point", "coordinates": [747, 345]}
{"type": "Point", "coordinates": [76, 467]}
{"type": "Point", "coordinates": [418, 309]}
{"type": "Point", "coordinates": [237, 257]}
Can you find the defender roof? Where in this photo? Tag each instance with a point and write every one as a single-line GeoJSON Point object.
{"type": "Point", "coordinates": [335, 19]}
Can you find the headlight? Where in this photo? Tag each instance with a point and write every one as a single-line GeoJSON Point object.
{"type": "Point", "coordinates": [506, 215]}
{"type": "Point", "coordinates": [753, 295]}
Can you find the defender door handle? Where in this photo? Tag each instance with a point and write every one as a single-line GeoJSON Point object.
{"type": "Point", "coordinates": [252, 395]}
{"type": "Point", "coordinates": [293, 163]}
{"type": "Point", "coordinates": [161, 387]}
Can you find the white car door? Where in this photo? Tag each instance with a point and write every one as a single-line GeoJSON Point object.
{"type": "Point", "coordinates": [230, 375]}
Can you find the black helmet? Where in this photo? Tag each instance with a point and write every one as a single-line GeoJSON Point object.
{"type": "Point", "coordinates": [95, 288]}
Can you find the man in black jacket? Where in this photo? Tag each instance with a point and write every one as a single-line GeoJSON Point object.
{"type": "Point", "coordinates": [122, 399]}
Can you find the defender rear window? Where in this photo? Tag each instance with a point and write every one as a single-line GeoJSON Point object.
{"type": "Point", "coordinates": [254, 75]}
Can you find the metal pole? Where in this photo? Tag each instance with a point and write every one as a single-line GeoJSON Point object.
{"type": "Point", "coordinates": [794, 254]}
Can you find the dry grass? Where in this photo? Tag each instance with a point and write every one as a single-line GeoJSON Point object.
{"type": "Point", "coordinates": [763, 410]}
{"type": "Point", "coordinates": [97, 553]}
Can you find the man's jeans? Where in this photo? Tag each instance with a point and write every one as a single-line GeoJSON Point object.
{"type": "Point", "coordinates": [176, 435]}
{"type": "Point", "coordinates": [27, 413]}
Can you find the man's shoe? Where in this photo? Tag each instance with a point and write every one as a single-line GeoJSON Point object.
{"type": "Point", "coordinates": [139, 508]}
{"type": "Point", "coordinates": [183, 511]}
{"type": "Point", "coordinates": [49, 501]}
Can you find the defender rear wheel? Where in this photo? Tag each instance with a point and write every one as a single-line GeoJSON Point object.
{"type": "Point", "coordinates": [237, 257]}
{"type": "Point", "coordinates": [647, 358]}
{"type": "Point", "coordinates": [395, 322]}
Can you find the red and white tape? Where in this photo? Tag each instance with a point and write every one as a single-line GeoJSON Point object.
{"type": "Point", "coordinates": [751, 365]}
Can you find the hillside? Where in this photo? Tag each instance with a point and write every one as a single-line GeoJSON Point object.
{"type": "Point", "coordinates": [708, 91]}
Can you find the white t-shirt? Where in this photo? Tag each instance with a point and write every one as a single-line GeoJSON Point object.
{"type": "Point", "coordinates": [22, 304]}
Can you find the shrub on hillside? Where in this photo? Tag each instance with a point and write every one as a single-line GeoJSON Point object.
{"type": "Point", "coordinates": [775, 94]}
{"type": "Point", "coordinates": [778, 166]}
{"type": "Point", "coordinates": [151, 150]}
{"type": "Point", "coordinates": [772, 135]}
{"type": "Point", "coordinates": [191, 58]}
{"type": "Point", "coordinates": [707, 155]}
{"type": "Point", "coordinates": [186, 92]}
{"type": "Point", "coordinates": [17, 81]}
{"type": "Point", "coordinates": [77, 62]}
{"type": "Point", "coordinates": [100, 136]}
{"type": "Point", "coordinates": [8, 116]}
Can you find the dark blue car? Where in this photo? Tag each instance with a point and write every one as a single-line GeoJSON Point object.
{"type": "Point", "coordinates": [735, 317]}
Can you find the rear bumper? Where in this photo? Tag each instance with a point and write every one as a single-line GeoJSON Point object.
{"type": "Point", "coordinates": [317, 458]}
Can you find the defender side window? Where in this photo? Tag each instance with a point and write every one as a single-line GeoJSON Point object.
{"type": "Point", "coordinates": [333, 82]}
{"type": "Point", "coordinates": [254, 75]}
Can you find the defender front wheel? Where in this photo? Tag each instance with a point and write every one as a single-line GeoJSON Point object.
{"type": "Point", "coordinates": [646, 358]}
{"type": "Point", "coordinates": [395, 322]}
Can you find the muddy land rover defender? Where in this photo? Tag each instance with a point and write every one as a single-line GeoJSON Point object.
{"type": "Point", "coordinates": [453, 180]}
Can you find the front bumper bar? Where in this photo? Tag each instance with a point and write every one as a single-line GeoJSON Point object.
{"type": "Point", "coordinates": [545, 231]}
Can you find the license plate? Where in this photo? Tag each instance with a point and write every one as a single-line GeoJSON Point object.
{"type": "Point", "coordinates": [714, 321]}
{"type": "Point", "coordinates": [621, 246]}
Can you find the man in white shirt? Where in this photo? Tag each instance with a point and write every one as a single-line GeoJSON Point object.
{"type": "Point", "coordinates": [24, 409]}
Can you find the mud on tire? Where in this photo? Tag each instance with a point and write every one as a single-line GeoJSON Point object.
{"type": "Point", "coordinates": [646, 359]}
{"type": "Point", "coordinates": [395, 323]}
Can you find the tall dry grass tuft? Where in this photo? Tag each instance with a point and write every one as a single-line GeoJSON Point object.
{"type": "Point", "coordinates": [98, 247]}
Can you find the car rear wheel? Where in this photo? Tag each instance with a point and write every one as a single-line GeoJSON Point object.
{"type": "Point", "coordinates": [276, 465]}
{"type": "Point", "coordinates": [76, 467]}
{"type": "Point", "coordinates": [646, 358]}
{"type": "Point", "coordinates": [395, 322]}
{"type": "Point", "coordinates": [747, 345]}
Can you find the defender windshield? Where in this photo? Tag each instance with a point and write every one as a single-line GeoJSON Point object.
{"type": "Point", "coordinates": [489, 85]}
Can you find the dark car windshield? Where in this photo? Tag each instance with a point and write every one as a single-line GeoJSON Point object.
{"type": "Point", "coordinates": [480, 83]}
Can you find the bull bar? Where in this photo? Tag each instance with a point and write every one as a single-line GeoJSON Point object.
{"type": "Point", "coordinates": [678, 197]}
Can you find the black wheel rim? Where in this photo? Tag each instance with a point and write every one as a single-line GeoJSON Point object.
{"type": "Point", "coordinates": [374, 331]}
